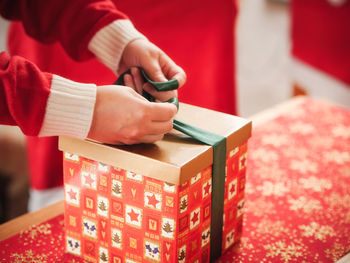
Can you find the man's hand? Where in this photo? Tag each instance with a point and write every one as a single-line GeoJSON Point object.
{"type": "Point", "coordinates": [158, 66]}
{"type": "Point", "coordinates": [122, 116]}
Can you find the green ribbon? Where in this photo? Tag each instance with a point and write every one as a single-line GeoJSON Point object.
{"type": "Point", "coordinates": [218, 143]}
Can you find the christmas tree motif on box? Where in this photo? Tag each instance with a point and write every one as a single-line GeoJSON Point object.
{"type": "Point", "coordinates": [182, 254]}
{"type": "Point", "coordinates": [116, 238]}
{"type": "Point", "coordinates": [102, 206]}
{"type": "Point", "coordinates": [168, 227]}
{"type": "Point", "coordinates": [116, 188]}
{"type": "Point", "coordinates": [103, 255]}
{"type": "Point", "coordinates": [183, 204]}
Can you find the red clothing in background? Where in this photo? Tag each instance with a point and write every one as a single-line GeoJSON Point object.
{"type": "Point", "coordinates": [197, 35]}
{"type": "Point", "coordinates": [321, 36]}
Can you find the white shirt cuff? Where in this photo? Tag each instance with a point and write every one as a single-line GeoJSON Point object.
{"type": "Point", "coordinates": [108, 43]}
{"type": "Point", "coordinates": [69, 109]}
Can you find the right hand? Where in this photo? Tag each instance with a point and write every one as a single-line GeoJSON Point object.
{"type": "Point", "coordinates": [122, 116]}
{"type": "Point", "coordinates": [158, 66]}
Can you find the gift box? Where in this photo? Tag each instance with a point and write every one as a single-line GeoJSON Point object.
{"type": "Point", "coordinates": [156, 202]}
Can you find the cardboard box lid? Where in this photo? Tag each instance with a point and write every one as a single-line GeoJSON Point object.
{"type": "Point", "coordinates": [177, 157]}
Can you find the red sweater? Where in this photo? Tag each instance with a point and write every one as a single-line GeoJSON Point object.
{"type": "Point", "coordinates": [25, 91]}
{"type": "Point", "coordinates": [321, 36]}
{"type": "Point", "coordinates": [44, 104]}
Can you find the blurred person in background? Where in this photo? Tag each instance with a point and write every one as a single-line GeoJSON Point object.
{"type": "Point", "coordinates": [197, 34]}
{"type": "Point", "coordinates": [320, 35]}
{"type": "Point", "coordinates": [47, 104]}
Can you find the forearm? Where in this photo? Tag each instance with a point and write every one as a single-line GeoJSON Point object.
{"type": "Point", "coordinates": [72, 23]}
{"type": "Point", "coordinates": [42, 104]}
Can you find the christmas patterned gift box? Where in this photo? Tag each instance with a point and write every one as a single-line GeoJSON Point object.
{"type": "Point", "coordinates": [153, 202]}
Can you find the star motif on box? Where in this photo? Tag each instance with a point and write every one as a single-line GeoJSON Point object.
{"type": "Point", "coordinates": [232, 189]}
{"type": "Point", "coordinates": [242, 161]}
{"type": "Point", "coordinates": [152, 200]}
{"type": "Point", "coordinates": [207, 188]}
{"type": "Point", "coordinates": [89, 180]}
{"type": "Point", "coordinates": [72, 194]}
{"type": "Point", "coordinates": [133, 215]}
{"type": "Point", "coordinates": [194, 218]}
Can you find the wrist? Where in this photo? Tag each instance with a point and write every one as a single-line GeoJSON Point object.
{"type": "Point", "coordinates": [69, 109]}
{"type": "Point", "coordinates": [109, 43]}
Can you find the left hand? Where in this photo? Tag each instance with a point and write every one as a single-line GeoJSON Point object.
{"type": "Point", "coordinates": [158, 66]}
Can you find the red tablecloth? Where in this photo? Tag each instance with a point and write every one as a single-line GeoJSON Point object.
{"type": "Point", "coordinates": [297, 196]}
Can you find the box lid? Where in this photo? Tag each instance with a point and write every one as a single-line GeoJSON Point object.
{"type": "Point", "coordinates": [177, 157]}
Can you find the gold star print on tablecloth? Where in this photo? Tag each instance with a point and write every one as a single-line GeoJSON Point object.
{"type": "Point", "coordinates": [298, 188]}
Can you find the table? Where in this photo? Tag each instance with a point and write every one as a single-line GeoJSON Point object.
{"type": "Point", "coordinates": [297, 206]}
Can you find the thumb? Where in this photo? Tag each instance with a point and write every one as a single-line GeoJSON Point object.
{"type": "Point", "coordinates": [155, 73]}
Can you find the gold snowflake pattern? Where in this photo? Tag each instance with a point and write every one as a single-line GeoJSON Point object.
{"type": "Point", "coordinates": [336, 200]}
{"type": "Point", "coordinates": [322, 142]}
{"type": "Point", "coordinates": [302, 203]}
{"type": "Point", "coordinates": [317, 231]}
{"type": "Point", "coordinates": [345, 171]}
{"type": "Point", "coordinates": [270, 188]}
{"type": "Point", "coordinates": [315, 183]}
{"type": "Point", "coordinates": [304, 166]}
{"type": "Point", "coordinates": [271, 172]}
{"type": "Point", "coordinates": [275, 228]}
{"type": "Point", "coordinates": [292, 152]}
{"type": "Point", "coordinates": [336, 251]}
{"type": "Point", "coordinates": [275, 139]}
{"type": "Point", "coordinates": [341, 131]}
{"type": "Point", "coordinates": [283, 251]}
{"type": "Point", "coordinates": [260, 208]}
{"type": "Point", "coordinates": [266, 156]}
{"type": "Point", "coordinates": [34, 230]}
{"type": "Point", "coordinates": [302, 128]}
{"type": "Point", "coordinates": [29, 256]}
{"type": "Point", "coordinates": [337, 157]}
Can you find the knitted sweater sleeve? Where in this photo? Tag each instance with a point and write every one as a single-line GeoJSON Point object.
{"type": "Point", "coordinates": [42, 103]}
{"type": "Point", "coordinates": [72, 23]}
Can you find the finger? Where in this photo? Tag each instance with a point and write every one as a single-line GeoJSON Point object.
{"type": "Point", "coordinates": [171, 70]}
{"type": "Point", "coordinates": [162, 111]}
{"type": "Point", "coordinates": [138, 80]}
{"type": "Point", "coordinates": [160, 95]}
{"type": "Point", "coordinates": [129, 82]}
{"type": "Point", "coordinates": [154, 71]}
{"type": "Point", "coordinates": [159, 127]}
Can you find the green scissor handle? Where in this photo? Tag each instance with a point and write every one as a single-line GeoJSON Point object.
{"type": "Point", "coordinates": [172, 84]}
